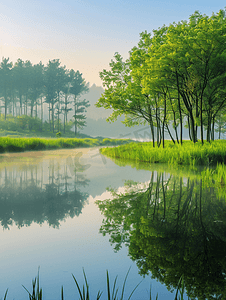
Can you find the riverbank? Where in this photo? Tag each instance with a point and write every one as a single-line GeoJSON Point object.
{"type": "Point", "coordinates": [175, 154]}
{"type": "Point", "coordinates": [9, 144]}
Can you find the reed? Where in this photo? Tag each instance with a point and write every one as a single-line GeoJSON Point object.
{"type": "Point", "coordinates": [84, 291]}
{"type": "Point", "coordinates": [174, 154]}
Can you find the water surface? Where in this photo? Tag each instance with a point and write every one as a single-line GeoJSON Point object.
{"type": "Point", "coordinates": [166, 228]}
{"type": "Point", "coordinates": [49, 219]}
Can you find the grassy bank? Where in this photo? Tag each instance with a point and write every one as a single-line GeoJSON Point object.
{"type": "Point", "coordinates": [186, 154]}
{"type": "Point", "coordinates": [9, 144]}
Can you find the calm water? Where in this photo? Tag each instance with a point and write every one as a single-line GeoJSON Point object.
{"type": "Point", "coordinates": [49, 218]}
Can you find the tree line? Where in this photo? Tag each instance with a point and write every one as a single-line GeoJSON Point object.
{"type": "Point", "coordinates": [24, 87]}
{"type": "Point", "coordinates": [175, 76]}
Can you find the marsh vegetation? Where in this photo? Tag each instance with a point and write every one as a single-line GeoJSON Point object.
{"type": "Point", "coordinates": [187, 154]}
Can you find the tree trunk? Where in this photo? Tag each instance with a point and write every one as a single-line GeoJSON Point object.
{"type": "Point", "coordinates": [75, 116]}
{"type": "Point", "coordinates": [32, 107]}
{"type": "Point", "coordinates": [192, 124]}
{"type": "Point", "coordinates": [151, 126]}
{"type": "Point", "coordinates": [41, 114]}
{"type": "Point", "coordinates": [212, 135]}
{"type": "Point", "coordinates": [53, 115]}
{"type": "Point", "coordinates": [5, 108]}
{"type": "Point", "coordinates": [170, 133]}
{"type": "Point", "coordinates": [201, 121]}
{"type": "Point", "coordinates": [208, 128]}
{"type": "Point", "coordinates": [20, 111]}
{"type": "Point", "coordinates": [36, 110]}
{"type": "Point", "coordinates": [189, 129]}
{"type": "Point", "coordinates": [49, 119]}
{"type": "Point", "coordinates": [181, 120]}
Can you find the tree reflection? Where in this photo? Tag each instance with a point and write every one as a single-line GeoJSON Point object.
{"type": "Point", "coordinates": [49, 193]}
{"type": "Point", "coordinates": [175, 227]}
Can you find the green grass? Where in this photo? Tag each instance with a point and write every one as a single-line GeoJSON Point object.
{"type": "Point", "coordinates": [9, 144]}
{"type": "Point", "coordinates": [186, 154]}
{"type": "Point", "coordinates": [84, 291]}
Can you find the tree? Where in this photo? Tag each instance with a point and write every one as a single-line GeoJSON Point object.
{"type": "Point", "coordinates": [5, 81]}
{"type": "Point", "coordinates": [123, 93]}
{"type": "Point", "coordinates": [61, 81]}
{"type": "Point", "coordinates": [19, 77]}
{"type": "Point", "coordinates": [66, 93]}
{"type": "Point", "coordinates": [51, 87]}
{"type": "Point", "coordinates": [178, 71]}
{"type": "Point", "coordinates": [77, 88]}
{"type": "Point", "coordinates": [36, 85]}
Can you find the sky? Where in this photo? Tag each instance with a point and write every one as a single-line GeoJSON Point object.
{"type": "Point", "coordinates": [85, 34]}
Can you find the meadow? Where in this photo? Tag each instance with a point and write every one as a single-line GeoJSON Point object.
{"type": "Point", "coordinates": [11, 144]}
{"type": "Point", "coordinates": [174, 154]}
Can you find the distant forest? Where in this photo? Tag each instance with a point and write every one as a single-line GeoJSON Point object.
{"type": "Point", "coordinates": [25, 88]}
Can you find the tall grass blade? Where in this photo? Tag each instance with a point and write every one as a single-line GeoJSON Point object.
{"type": "Point", "coordinates": [124, 283]}
{"type": "Point", "coordinates": [80, 293]}
{"type": "Point", "coordinates": [99, 295]}
{"type": "Point", "coordinates": [30, 296]}
{"type": "Point", "coordinates": [114, 292]}
{"type": "Point", "coordinates": [108, 287]}
{"type": "Point", "coordinates": [87, 286]}
{"type": "Point", "coordinates": [40, 295]}
{"type": "Point", "coordinates": [6, 294]}
{"type": "Point", "coordinates": [83, 291]}
{"type": "Point", "coordinates": [62, 293]}
{"type": "Point", "coordinates": [150, 292]}
{"type": "Point", "coordinates": [134, 289]}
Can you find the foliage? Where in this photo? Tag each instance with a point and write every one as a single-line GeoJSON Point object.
{"type": "Point", "coordinates": [173, 75]}
{"type": "Point", "coordinates": [24, 87]}
{"type": "Point", "coordinates": [79, 87]}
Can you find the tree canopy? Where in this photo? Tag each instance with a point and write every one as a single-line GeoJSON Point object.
{"type": "Point", "coordinates": [174, 76]}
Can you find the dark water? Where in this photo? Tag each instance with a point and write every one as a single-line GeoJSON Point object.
{"type": "Point", "coordinates": [169, 228]}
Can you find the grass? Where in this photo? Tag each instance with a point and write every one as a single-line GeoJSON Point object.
{"type": "Point", "coordinates": [9, 144]}
{"type": "Point", "coordinates": [84, 292]}
{"type": "Point", "coordinates": [174, 154]}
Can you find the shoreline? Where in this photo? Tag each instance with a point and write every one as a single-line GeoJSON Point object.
{"type": "Point", "coordinates": [174, 154]}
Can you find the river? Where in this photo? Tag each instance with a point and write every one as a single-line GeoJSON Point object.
{"type": "Point", "coordinates": [50, 219]}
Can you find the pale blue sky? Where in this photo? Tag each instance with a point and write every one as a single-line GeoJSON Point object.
{"type": "Point", "coordinates": [85, 34]}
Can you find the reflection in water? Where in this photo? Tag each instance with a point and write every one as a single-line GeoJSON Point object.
{"type": "Point", "coordinates": [175, 228]}
{"type": "Point", "coordinates": [38, 193]}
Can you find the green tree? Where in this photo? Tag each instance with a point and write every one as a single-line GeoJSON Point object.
{"type": "Point", "coordinates": [19, 80]}
{"type": "Point", "coordinates": [123, 93]}
{"type": "Point", "coordinates": [5, 81]}
{"type": "Point", "coordinates": [51, 87]}
{"type": "Point", "coordinates": [77, 88]}
{"type": "Point", "coordinates": [36, 86]}
{"type": "Point", "coordinates": [61, 82]}
{"type": "Point", "coordinates": [66, 94]}
{"type": "Point", "coordinates": [177, 71]}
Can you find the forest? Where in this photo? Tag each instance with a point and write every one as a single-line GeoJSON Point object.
{"type": "Point", "coordinates": [176, 75]}
{"type": "Point", "coordinates": [25, 87]}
